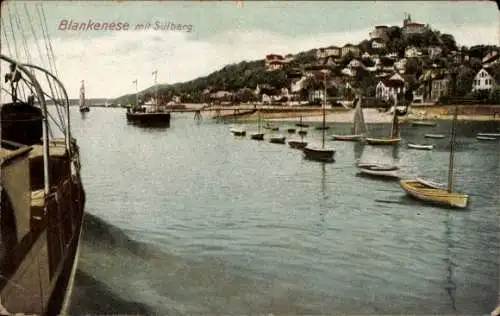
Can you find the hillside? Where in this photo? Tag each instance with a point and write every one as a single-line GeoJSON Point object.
{"type": "Point", "coordinates": [246, 75]}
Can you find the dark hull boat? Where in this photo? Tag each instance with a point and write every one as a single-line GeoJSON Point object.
{"type": "Point", "coordinates": [149, 119]}
{"type": "Point", "coordinates": [297, 144]}
{"type": "Point", "coordinates": [257, 136]}
{"type": "Point", "coordinates": [277, 139]}
{"type": "Point", "coordinates": [42, 201]}
{"type": "Point", "coordinates": [319, 154]}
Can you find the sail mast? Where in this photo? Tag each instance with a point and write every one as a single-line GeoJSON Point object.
{"type": "Point", "coordinates": [82, 95]}
{"type": "Point", "coordinates": [452, 150]}
{"type": "Point", "coordinates": [395, 127]}
{"type": "Point", "coordinates": [136, 93]}
{"type": "Point", "coordinates": [324, 109]}
{"type": "Point", "coordinates": [155, 80]}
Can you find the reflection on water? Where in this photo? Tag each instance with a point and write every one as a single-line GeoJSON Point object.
{"type": "Point", "coordinates": [190, 220]}
{"type": "Point", "coordinates": [450, 265]}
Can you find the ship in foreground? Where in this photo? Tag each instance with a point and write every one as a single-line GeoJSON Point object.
{"type": "Point", "coordinates": [42, 196]}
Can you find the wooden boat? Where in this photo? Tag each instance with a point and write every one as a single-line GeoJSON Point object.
{"type": "Point", "coordinates": [436, 136]}
{"type": "Point", "coordinates": [430, 192]}
{"type": "Point", "coordinates": [322, 153]}
{"type": "Point", "coordinates": [83, 102]}
{"type": "Point", "coordinates": [394, 138]}
{"type": "Point", "coordinates": [359, 126]}
{"type": "Point", "coordinates": [299, 144]}
{"type": "Point", "coordinates": [421, 147]}
{"type": "Point", "coordinates": [423, 123]}
{"type": "Point", "coordinates": [485, 138]}
{"type": "Point", "coordinates": [277, 139]}
{"type": "Point", "coordinates": [271, 127]}
{"type": "Point", "coordinates": [149, 114]}
{"type": "Point", "coordinates": [379, 170]}
{"type": "Point", "coordinates": [237, 131]}
{"type": "Point", "coordinates": [489, 134]}
{"type": "Point", "coordinates": [291, 130]}
{"type": "Point", "coordinates": [319, 128]}
{"type": "Point", "coordinates": [258, 135]}
{"type": "Point", "coordinates": [42, 195]}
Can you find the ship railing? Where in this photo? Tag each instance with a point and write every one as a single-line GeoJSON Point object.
{"type": "Point", "coordinates": [41, 85]}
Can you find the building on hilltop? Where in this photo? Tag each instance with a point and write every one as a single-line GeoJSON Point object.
{"type": "Point", "coordinates": [380, 33]}
{"type": "Point", "coordinates": [274, 61]}
{"type": "Point", "coordinates": [349, 48]}
{"type": "Point", "coordinates": [330, 51]}
{"type": "Point", "coordinates": [410, 27]}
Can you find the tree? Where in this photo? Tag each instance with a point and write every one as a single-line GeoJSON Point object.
{"type": "Point", "coordinates": [465, 77]}
{"type": "Point", "coordinates": [414, 66]}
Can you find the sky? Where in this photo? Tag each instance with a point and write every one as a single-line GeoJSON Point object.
{"type": "Point", "coordinates": [222, 32]}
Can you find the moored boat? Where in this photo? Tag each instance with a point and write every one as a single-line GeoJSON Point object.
{"type": "Point", "coordinates": [394, 138]}
{"type": "Point", "coordinates": [359, 126]}
{"type": "Point", "coordinates": [420, 147]}
{"type": "Point", "coordinates": [291, 130]}
{"type": "Point", "coordinates": [379, 170]}
{"type": "Point", "coordinates": [488, 138]}
{"type": "Point", "coordinates": [489, 134]}
{"type": "Point", "coordinates": [277, 139]}
{"type": "Point", "coordinates": [430, 192]}
{"type": "Point", "coordinates": [423, 123]}
{"type": "Point", "coordinates": [435, 136]}
{"type": "Point", "coordinates": [149, 114]}
{"type": "Point", "coordinates": [237, 131]}
{"type": "Point", "coordinates": [320, 153]}
{"type": "Point", "coordinates": [258, 135]}
{"type": "Point", "coordinates": [84, 107]}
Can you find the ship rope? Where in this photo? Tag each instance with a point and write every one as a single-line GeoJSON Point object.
{"type": "Point", "coordinates": [51, 61]}
{"type": "Point", "coordinates": [16, 49]}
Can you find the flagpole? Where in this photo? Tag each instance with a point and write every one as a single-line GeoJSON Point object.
{"type": "Point", "coordinates": [155, 75]}
{"type": "Point", "coordinates": [136, 94]}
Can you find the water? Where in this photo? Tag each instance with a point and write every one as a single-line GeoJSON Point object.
{"type": "Point", "coordinates": [191, 220]}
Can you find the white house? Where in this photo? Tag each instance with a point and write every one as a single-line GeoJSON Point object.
{"type": "Point", "coordinates": [366, 55]}
{"type": "Point", "coordinates": [412, 51]}
{"type": "Point", "coordinates": [483, 81]}
{"type": "Point", "coordinates": [355, 64]}
{"type": "Point", "coordinates": [387, 88]}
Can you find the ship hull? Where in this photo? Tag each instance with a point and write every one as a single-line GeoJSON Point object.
{"type": "Point", "coordinates": [149, 119]}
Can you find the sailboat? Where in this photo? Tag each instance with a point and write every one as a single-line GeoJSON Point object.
{"type": "Point", "coordinates": [83, 104]}
{"type": "Point", "coordinates": [430, 192]}
{"type": "Point", "coordinates": [359, 128]}
{"type": "Point", "coordinates": [301, 131]}
{"type": "Point", "coordinates": [394, 138]}
{"type": "Point", "coordinates": [299, 144]}
{"type": "Point", "coordinates": [300, 124]}
{"type": "Point", "coordinates": [258, 135]}
{"type": "Point", "coordinates": [235, 130]}
{"type": "Point", "coordinates": [322, 153]}
{"type": "Point", "coordinates": [149, 114]}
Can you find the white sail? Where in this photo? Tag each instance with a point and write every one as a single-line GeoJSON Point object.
{"type": "Point", "coordinates": [359, 120]}
{"type": "Point", "coordinates": [82, 96]}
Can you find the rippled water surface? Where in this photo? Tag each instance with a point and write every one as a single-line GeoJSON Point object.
{"type": "Point", "coordinates": [191, 220]}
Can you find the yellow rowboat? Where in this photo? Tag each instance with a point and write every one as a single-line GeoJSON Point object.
{"type": "Point", "coordinates": [382, 141]}
{"type": "Point", "coordinates": [432, 194]}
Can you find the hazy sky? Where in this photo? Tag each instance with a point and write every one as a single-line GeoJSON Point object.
{"type": "Point", "coordinates": [222, 32]}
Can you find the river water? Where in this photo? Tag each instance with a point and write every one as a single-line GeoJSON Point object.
{"type": "Point", "coordinates": [191, 220]}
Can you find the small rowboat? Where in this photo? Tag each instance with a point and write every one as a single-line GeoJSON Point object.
{"type": "Point", "coordinates": [423, 123]}
{"type": "Point", "coordinates": [351, 138]}
{"type": "Point", "coordinates": [237, 132]}
{"type": "Point", "coordinates": [382, 141]}
{"type": "Point", "coordinates": [257, 136]}
{"type": "Point", "coordinates": [302, 133]}
{"type": "Point", "coordinates": [297, 144]}
{"type": "Point", "coordinates": [421, 147]}
{"type": "Point", "coordinates": [291, 130]}
{"type": "Point", "coordinates": [431, 193]}
{"type": "Point", "coordinates": [322, 127]}
{"type": "Point", "coordinates": [489, 134]}
{"type": "Point", "coordinates": [277, 139]}
{"type": "Point", "coordinates": [486, 138]}
{"type": "Point", "coordinates": [302, 125]}
{"type": "Point", "coordinates": [436, 136]}
{"type": "Point", "coordinates": [379, 170]}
